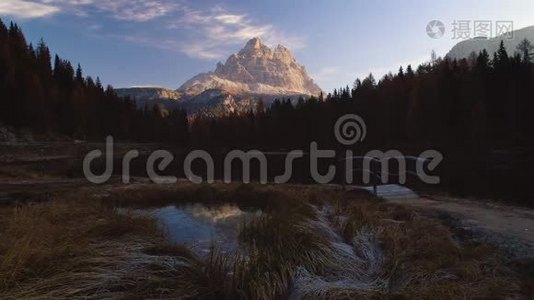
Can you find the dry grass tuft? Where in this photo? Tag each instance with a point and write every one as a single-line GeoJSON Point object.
{"type": "Point", "coordinates": [41, 241]}
{"type": "Point", "coordinates": [168, 249]}
{"type": "Point", "coordinates": [423, 260]}
{"type": "Point", "coordinates": [309, 242]}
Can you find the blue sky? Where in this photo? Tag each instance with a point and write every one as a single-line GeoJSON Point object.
{"type": "Point", "coordinates": [165, 42]}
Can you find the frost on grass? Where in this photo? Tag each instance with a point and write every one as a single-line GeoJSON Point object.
{"type": "Point", "coordinates": [355, 264]}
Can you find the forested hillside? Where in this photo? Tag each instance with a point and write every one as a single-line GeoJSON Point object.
{"type": "Point", "coordinates": [46, 98]}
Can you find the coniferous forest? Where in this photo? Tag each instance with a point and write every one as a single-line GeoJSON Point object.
{"type": "Point", "coordinates": [477, 111]}
{"type": "Point", "coordinates": [56, 98]}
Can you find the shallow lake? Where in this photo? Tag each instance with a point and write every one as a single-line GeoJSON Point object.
{"type": "Point", "coordinates": [202, 226]}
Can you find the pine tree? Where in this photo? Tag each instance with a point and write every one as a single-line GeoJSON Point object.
{"type": "Point", "coordinates": [369, 82]}
{"type": "Point", "coordinates": [321, 97]}
{"type": "Point", "coordinates": [525, 48]}
{"type": "Point", "coordinates": [401, 72]}
{"type": "Point", "coordinates": [43, 58]}
{"type": "Point", "coordinates": [357, 84]}
{"type": "Point", "coordinates": [483, 59]}
{"type": "Point", "coordinates": [98, 83]}
{"type": "Point", "coordinates": [79, 74]}
{"type": "Point", "coordinates": [409, 71]}
{"type": "Point", "coordinates": [502, 58]}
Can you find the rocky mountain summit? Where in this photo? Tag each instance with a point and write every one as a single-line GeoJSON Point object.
{"type": "Point", "coordinates": [256, 69]}
{"type": "Point", "coordinates": [255, 72]}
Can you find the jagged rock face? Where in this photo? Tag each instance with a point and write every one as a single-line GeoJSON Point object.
{"type": "Point", "coordinates": [215, 102]}
{"type": "Point", "coordinates": [256, 72]}
{"type": "Point", "coordinates": [149, 93]}
{"type": "Point", "coordinates": [256, 69]}
{"type": "Point", "coordinates": [464, 48]}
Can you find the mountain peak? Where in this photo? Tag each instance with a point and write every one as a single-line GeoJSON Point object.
{"type": "Point", "coordinates": [255, 47]}
{"type": "Point", "coordinates": [281, 48]}
{"type": "Point", "coordinates": [256, 69]}
{"type": "Point", "coordinates": [254, 43]}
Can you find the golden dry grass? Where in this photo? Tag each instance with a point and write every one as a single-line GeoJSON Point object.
{"type": "Point", "coordinates": [423, 260]}
{"type": "Point", "coordinates": [310, 242]}
{"type": "Point", "coordinates": [41, 241]}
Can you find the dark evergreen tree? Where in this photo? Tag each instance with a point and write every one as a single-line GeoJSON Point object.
{"type": "Point", "coordinates": [525, 48]}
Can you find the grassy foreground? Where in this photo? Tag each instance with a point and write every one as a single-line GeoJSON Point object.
{"type": "Point", "coordinates": [310, 243]}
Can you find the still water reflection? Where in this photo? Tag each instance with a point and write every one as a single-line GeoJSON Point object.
{"type": "Point", "coordinates": [202, 226]}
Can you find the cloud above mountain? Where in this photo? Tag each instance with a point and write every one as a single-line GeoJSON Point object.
{"type": "Point", "coordinates": [127, 10]}
{"type": "Point", "coordinates": [210, 31]}
{"type": "Point", "coordinates": [27, 9]}
{"type": "Point", "coordinates": [136, 10]}
{"type": "Point", "coordinates": [201, 33]}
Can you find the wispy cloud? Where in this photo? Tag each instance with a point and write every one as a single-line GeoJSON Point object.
{"type": "Point", "coordinates": [137, 10]}
{"type": "Point", "coordinates": [230, 19]}
{"type": "Point", "coordinates": [198, 49]}
{"type": "Point", "coordinates": [127, 10]}
{"type": "Point", "coordinates": [206, 34]}
{"type": "Point", "coordinates": [191, 49]}
{"type": "Point", "coordinates": [215, 29]}
{"type": "Point", "coordinates": [26, 9]}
